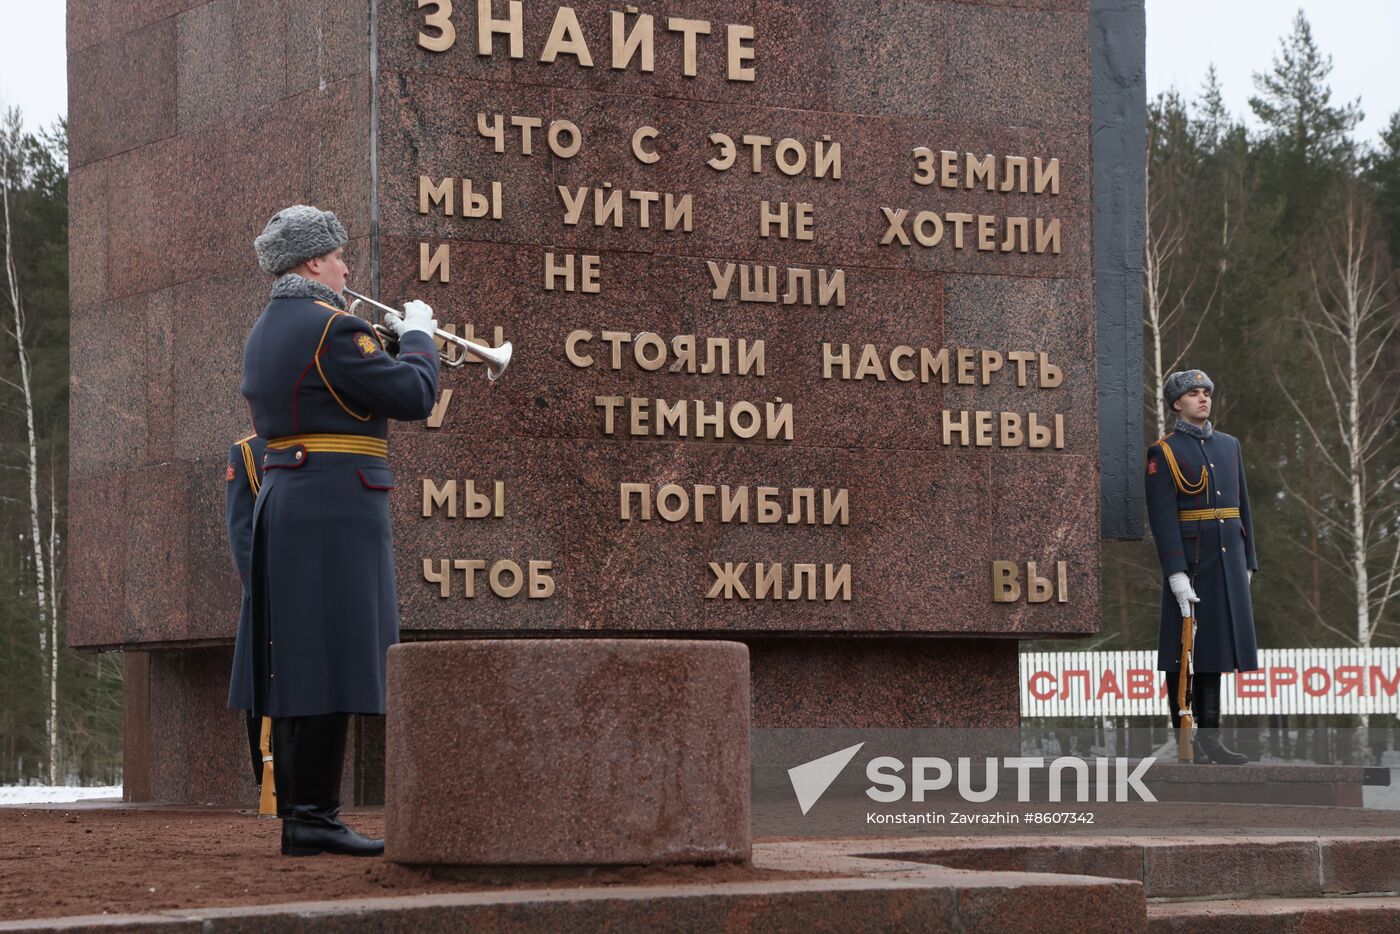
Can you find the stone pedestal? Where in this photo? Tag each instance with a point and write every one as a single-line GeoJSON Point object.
{"type": "Point", "coordinates": [567, 752]}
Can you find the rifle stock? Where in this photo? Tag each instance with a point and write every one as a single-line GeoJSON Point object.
{"type": "Point", "coordinates": [1185, 752]}
{"type": "Point", "coordinates": [267, 801]}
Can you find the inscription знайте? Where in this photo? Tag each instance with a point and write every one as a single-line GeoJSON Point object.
{"type": "Point", "coordinates": [628, 44]}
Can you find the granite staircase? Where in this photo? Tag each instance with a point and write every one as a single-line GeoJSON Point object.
{"type": "Point", "coordinates": [1223, 885]}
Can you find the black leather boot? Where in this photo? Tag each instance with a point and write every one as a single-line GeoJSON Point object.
{"type": "Point", "coordinates": [1208, 736]}
{"type": "Point", "coordinates": [314, 748]}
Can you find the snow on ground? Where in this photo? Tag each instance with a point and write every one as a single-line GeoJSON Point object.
{"type": "Point", "coordinates": [55, 794]}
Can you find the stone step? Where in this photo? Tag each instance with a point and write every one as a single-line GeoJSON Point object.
{"type": "Point", "coordinates": [1183, 867]}
{"type": "Point", "coordinates": [1371, 914]}
{"type": "Point", "coordinates": [927, 899]}
{"type": "Point", "coordinates": [1314, 785]}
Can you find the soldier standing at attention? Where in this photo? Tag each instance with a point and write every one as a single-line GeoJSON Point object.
{"type": "Point", "coordinates": [324, 609]}
{"type": "Point", "coordinates": [1198, 506]}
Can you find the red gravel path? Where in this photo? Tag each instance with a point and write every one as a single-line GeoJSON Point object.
{"type": "Point", "coordinates": [59, 862]}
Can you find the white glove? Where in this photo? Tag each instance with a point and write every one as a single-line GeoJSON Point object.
{"type": "Point", "coordinates": [418, 316]}
{"type": "Point", "coordinates": [1182, 590]}
{"type": "Point", "coordinates": [1251, 576]}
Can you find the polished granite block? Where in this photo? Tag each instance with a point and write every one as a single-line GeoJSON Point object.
{"type": "Point", "coordinates": [229, 56]}
{"type": "Point", "coordinates": [653, 736]}
{"type": "Point", "coordinates": [96, 610]}
{"type": "Point", "coordinates": [107, 390]}
{"type": "Point", "coordinates": [87, 234]}
{"type": "Point", "coordinates": [884, 683]}
{"type": "Point", "coordinates": [156, 545]}
{"type": "Point", "coordinates": [93, 21]}
{"type": "Point", "coordinates": [122, 93]}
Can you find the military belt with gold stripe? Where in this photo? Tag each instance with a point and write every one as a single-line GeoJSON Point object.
{"type": "Point", "coordinates": [1205, 515]}
{"type": "Point", "coordinates": [333, 444]}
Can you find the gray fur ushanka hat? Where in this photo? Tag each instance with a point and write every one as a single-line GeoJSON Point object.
{"type": "Point", "coordinates": [295, 235]}
{"type": "Point", "coordinates": [1183, 381]}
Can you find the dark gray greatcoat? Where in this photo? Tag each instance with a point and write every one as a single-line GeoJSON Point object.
{"type": "Point", "coordinates": [324, 607]}
{"type": "Point", "coordinates": [1217, 554]}
{"type": "Point", "coordinates": [243, 478]}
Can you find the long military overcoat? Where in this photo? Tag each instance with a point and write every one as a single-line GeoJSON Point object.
{"type": "Point", "coordinates": [242, 480]}
{"type": "Point", "coordinates": [323, 602]}
{"type": "Point", "coordinates": [1217, 552]}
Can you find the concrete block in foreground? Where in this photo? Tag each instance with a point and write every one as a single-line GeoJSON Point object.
{"type": "Point", "coordinates": [553, 752]}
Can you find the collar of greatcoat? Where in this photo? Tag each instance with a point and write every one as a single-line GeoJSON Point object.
{"type": "Point", "coordinates": [292, 285]}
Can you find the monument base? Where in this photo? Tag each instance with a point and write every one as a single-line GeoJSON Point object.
{"type": "Point", "coordinates": [182, 745]}
{"type": "Point", "coordinates": [555, 752]}
{"type": "Point", "coordinates": [802, 682]}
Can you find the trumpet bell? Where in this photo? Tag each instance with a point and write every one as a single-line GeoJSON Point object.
{"type": "Point", "coordinates": [495, 358]}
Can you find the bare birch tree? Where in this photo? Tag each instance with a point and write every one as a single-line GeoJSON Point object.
{"type": "Point", "coordinates": [15, 328]}
{"type": "Point", "coordinates": [1348, 333]}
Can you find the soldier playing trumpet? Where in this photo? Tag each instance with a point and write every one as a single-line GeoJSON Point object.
{"type": "Point", "coordinates": [323, 607]}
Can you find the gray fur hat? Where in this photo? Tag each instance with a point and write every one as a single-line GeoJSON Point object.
{"type": "Point", "coordinates": [1183, 381]}
{"type": "Point", "coordinates": [295, 235]}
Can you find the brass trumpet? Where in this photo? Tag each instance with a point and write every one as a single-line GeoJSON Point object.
{"type": "Point", "coordinates": [495, 358]}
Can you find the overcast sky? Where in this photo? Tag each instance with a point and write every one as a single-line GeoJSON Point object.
{"type": "Point", "coordinates": [1241, 37]}
{"type": "Point", "coordinates": [1183, 38]}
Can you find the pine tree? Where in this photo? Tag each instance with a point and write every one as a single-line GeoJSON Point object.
{"type": "Point", "coordinates": [1383, 172]}
{"type": "Point", "coordinates": [1308, 134]}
